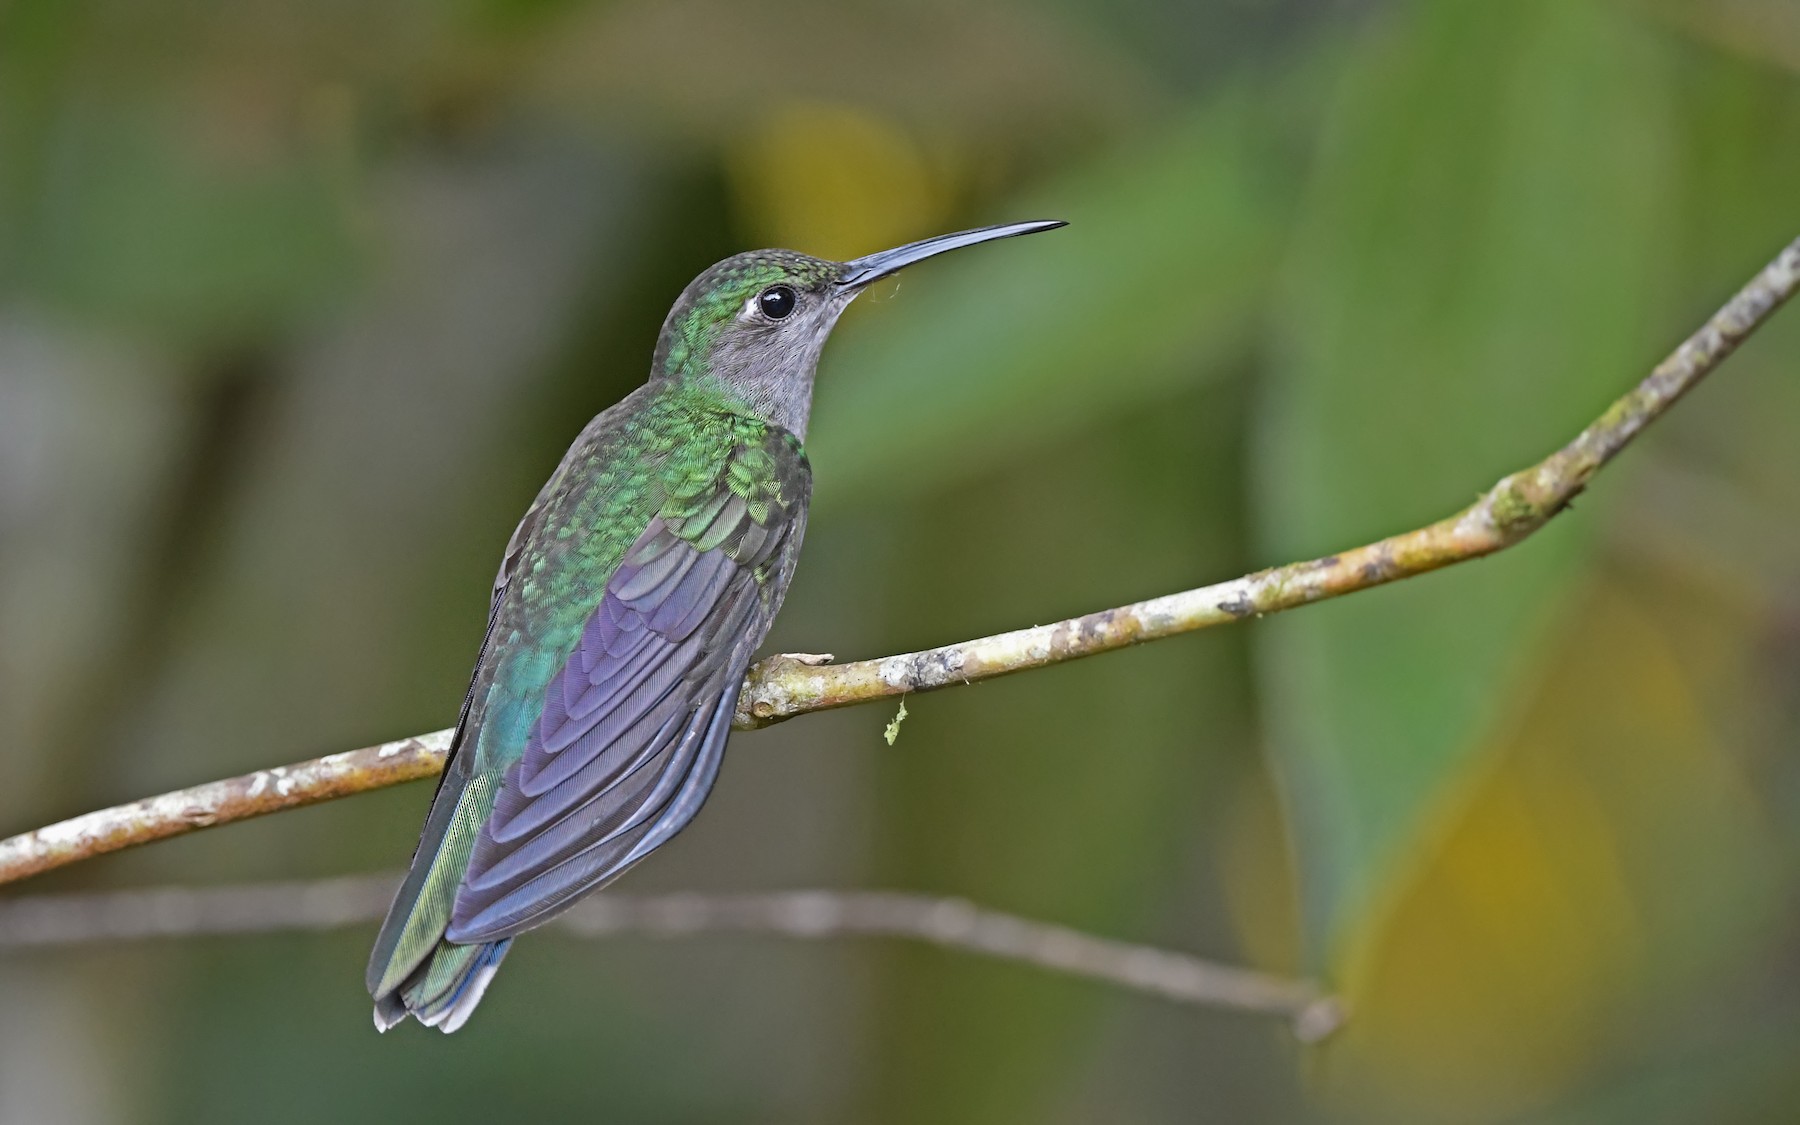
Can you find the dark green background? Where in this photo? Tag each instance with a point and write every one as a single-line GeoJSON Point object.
{"type": "Point", "coordinates": [299, 303]}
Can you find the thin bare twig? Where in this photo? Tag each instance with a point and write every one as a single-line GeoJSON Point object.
{"type": "Point", "coordinates": [221, 802]}
{"type": "Point", "coordinates": [48, 921]}
{"type": "Point", "coordinates": [781, 687]}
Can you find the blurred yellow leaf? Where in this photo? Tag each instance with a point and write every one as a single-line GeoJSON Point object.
{"type": "Point", "coordinates": [835, 180]}
{"type": "Point", "coordinates": [1608, 853]}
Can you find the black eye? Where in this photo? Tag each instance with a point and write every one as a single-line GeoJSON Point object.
{"type": "Point", "coordinates": [776, 302]}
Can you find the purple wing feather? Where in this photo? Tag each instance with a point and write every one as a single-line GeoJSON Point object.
{"type": "Point", "coordinates": [633, 726]}
{"type": "Point", "coordinates": [523, 903]}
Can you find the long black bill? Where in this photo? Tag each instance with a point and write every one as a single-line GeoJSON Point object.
{"type": "Point", "coordinates": [876, 266]}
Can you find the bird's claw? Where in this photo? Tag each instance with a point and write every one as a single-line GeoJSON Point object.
{"type": "Point", "coordinates": [810, 659]}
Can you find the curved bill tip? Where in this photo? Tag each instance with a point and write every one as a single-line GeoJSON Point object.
{"type": "Point", "coordinates": [863, 270]}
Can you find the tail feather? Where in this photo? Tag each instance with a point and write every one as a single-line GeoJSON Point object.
{"type": "Point", "coordinates": [449, 987]}
{"type": "Point", "coordinates": [444, 991]}
{"type": "Point", "coordinates": [413, 970]}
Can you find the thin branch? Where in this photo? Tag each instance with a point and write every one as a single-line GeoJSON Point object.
{"type": "Point", "coordinates": [47, 921]}
{"type": "Point", "coordinates": [221, 802]}
{"type": "Point", "coordinates": [781, 687]}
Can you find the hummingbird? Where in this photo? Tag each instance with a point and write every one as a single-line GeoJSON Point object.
{"type": "Point", "coordinates": [629, 603]}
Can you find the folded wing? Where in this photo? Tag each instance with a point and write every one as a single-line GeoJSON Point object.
{"type": "Point", "coordinates": [634, 724]}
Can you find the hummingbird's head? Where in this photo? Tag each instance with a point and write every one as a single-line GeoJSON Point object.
{"type": "Point", "coordinates": [757, 321]}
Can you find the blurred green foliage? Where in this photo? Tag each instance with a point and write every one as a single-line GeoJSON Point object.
{"type": "Point", "coordinates": [298, 304]}
{"type": "Point", "coordinates": [1473, 279]}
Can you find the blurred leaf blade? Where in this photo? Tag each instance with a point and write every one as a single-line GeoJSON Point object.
{"type": "Point", "coordinates": [1154, 286]}
{"type": "Point", "coordinates": [1476, 275]}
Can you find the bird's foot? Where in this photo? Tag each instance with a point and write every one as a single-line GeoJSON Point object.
{"type": "Point", "coordinates": [810, 659]}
